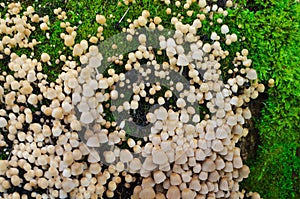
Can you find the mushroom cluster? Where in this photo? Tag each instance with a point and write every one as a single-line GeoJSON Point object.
{"type": "Point", "coordinates": [65, 143]}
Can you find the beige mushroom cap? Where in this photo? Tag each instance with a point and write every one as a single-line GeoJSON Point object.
{"type": "Point", "coordinates": [15, 180]}
{"type": "Point", "coordinates": [255, 195]}
{"type": "Point", "coordinates": [93, 156]}
{"type": "Point", "coordinates": [109, 156]}
{"type": "Point", "coordinates": [175, 179]}
{"type": "Point", "coordinates": [43, 183]}
{"type": "Point", "coordinates": [45, 57]}
{"type": "Point", "coordinates": [68, 185]}
{"type": "Point", "coordinates": [159, 177]}
{"type": "Point", "coordinates": [76, 169]}
{"type": "Point", "coordinates": [125, 155]}
{"type": "Point", "coordinates": [208, 165]}
{"type": "Point", "coordinates": [173, 193]}
{"type": "Point", "coordinates": [147, 193]}
{"type": "Point", "coordinates": [69, 40]}
{"type": "Point", "coordinates": [251, 74]}
{"type": "Point", "coordinates": [159, 156]}
{"type": "Point", "coordinates": [3, 122]}
{"type": "Point", "coordinates": [188, 194]}
{"type": "Point", "coordinates": [100, 19]}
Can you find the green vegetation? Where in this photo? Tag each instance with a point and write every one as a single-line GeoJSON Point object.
{"type": "Point", "coordinates": [271, 31]}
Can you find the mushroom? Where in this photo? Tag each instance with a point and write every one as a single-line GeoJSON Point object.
{"type": "Point", "coordinates": [173, 193]}
{"type": "Point", "coordinates": [100, 19]}
{"type": "Point", "coordinates": [159, 177]}
{"type": "Point", "coordinates": [224, 29]}
{"type": "Point", "coordinates": [125, 156]}
{"type": "Point", "coordinates": [45, 57]}
{"type": "Point", "coordinates": [76, 169]}
{"type": "Point", "coordinates": [43, 183]}
{"type": "Point", "coordinates": [3, 122]}
{"type": "Point", "coordinates": [147, 193]}
{"type": "Point", "coordinates": [159, 157]}
{"type": "Point", "coordinates": [188, 193]}
{"type": "Point", "coordinates": [68, 185]}
{"type": "Point", "coordinates": [69, 40]}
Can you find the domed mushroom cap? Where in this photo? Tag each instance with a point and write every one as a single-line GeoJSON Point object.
{"type": "Point", "coordinates": [77, 50]}
{"type": "Point", "coordinates": [206, 48]}
{"type": "Point", "coordinates": [68, 185]}
{"type": "Point", "coordinates": [161, 113]}
{"type": "Point", "coordinates": [95, 168]}
{"type": "Point", "coordinates": [86, 118]}
{"type": "Point", "coordinates": [100, 19]}
{"type": "Point", "coordinates": [135, 164]}
{"type": "Point", "coordinates": [255, 195]}
{"type": "Point", "coordinates": [208, 165]}
{"type": "Point", "coordinates": [45, 57]}
{"type": "Point", "coordinates": [93, 157]}
{"type": "Point", "coordinates": [43, 183]}
{"type": "Point", "coordinates": [188, 194]}
{"type": "Point", "coordinates": [182, 60]}
{"type": "Point", "coordinates": [237, 162]}
{"type": "Point", "coordinates": [125, 155]}
{"type": "Point", "coordinates": [217, 145]}
{"type": "Point", "coordinates": [159, 177]}
{"type": "Point", "coordinates": [159, 156]}
{"type": "Point", "coordinates": [251, 74]}
{"type": "Point", "coordinates": [224, 29]}
{"type": "Point", "coordinates": [93, 141]}
{"type": "Point", "coordinates": [15, 180]}
{"type": "Point", "coordinates": [195, 184]}
{"type": "Point", "coordinates": [147, 193]}
{"type": "Point", "coordinates": [244, 171]}
{"type": "Point", "coordinates": [3, 122]}
{"type": "Point", "coordinates": [173, 193]}
{"type": "Point", "coordinates": [69, 40]}
{"type": "Point", "coordinates": [76, 169]}
{"type": "Point", "coordinates": [109, 156]}
{"type": "Point", "coordinates": [3, 166]}
{"type": "Point", "coordinates": [175, 179]}
{"type": "Point", "coordinates": [148, 164]}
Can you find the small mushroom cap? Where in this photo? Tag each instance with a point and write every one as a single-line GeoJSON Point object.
{"type": "Point", "coordinates": [100, 19]}
{"type": "Point", "coordinates": [147, 193]}
{"type": "Point", "coordinates": [224, 29]}
{"type": "Point", "coordinates": [3, 122]}
{"type": "Point", "coordinates": [251, 74]}
{"type": "Point", "coordinates": [45, 57]}
{"type": "Point", "coordinates": [244, 171]}
{"type": "Point", "coordinates": [125, 155]}
{"type": "Point", "coordinates": [148, 164]}
{"type": "Point", "coordinates": [173, 193]}
{"type": "Point", "coordinates": [208, 165]}
{"type": "Point", "coordinates": [68, 185]}
{"type": "Point", "coordinates": [182, 60]}
{"type": "Point", "coordinates": [93, 157]}
{"type": "Point", "coordinates": [77, 50]}
{"type": "Point", "coordinates": [15, 180]}
{"type": "Point", "coordinates": [95, 168]}
{"type": "Point", "coordinates": [93, 141]}
{"type": "Point", "coordinates": [255, 195]}
{"type": "Point", "coordinates": [175, 179]}
{"type": "Point", "coordinates": [69, 40]}
{"type": "Point", "coordinates": [109, 156]}
{"type": "Point", "coordinates": [43, 183]}
{"type": "Point", "coordinates": [135, 164]}
{"type": "Point", "coordinates": [76, 169]}
{"type": "Point", "coordinates": [188, 194]}
{"type": "Point", "coordinates": [159, 177]}
{"type": "Point", "coordinates": [159, 156]}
